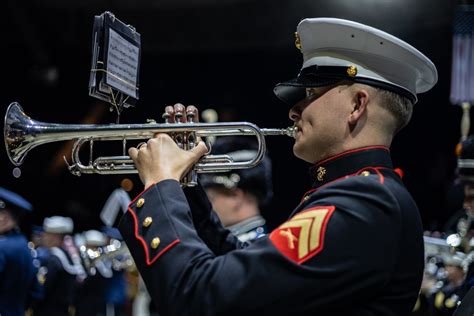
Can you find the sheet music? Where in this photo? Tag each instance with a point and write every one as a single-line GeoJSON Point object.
{"type": "Point", "coordinates": [122, 64]}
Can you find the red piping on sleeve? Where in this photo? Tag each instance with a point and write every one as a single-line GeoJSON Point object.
{"type": "Point", "coordinates": [142, 241]}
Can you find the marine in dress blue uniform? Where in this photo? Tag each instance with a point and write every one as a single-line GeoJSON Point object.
{"type": "Point", "coordinates": [18, 284]}
{"type": "Point", "coordinates": [340, 252]}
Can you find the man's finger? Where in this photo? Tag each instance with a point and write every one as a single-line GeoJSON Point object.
{"type": "Point", "coordinates": [133, 153]}
{"type": "Point", "coordinates": [160, 138]}
{"type": "Point", "coordinates": [179, 115]}
{"type": "Point", "coordinates": [200, 150]}
{"type": "Point", "coordinates": [169, 114]}
{"type": "Point", "coordinates": [192, 113]}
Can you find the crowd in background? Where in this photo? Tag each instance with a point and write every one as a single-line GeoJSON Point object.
{"type": "Point", "coordinates": [58, 271]}
{"type": "Point", "coordinates": [449, 252]}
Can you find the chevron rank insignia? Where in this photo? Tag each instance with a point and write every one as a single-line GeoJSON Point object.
{"type": "Point", "coordinates": [302, 237]}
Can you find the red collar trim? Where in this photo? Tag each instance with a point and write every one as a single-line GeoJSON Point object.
{"type": "Point", "coordinates": [351, 151]}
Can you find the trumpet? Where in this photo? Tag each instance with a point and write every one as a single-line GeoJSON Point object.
{"type": "Point", "coordinates": [21, 134]}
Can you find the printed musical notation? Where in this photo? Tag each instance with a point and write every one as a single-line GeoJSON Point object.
{"type": "Point", "coordinates": [122, 64]}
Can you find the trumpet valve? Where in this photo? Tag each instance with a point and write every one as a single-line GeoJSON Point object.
{"type": "Point", "coordinates": [191, 115]}
{"type": "Point", "coordinates": [166, 117]}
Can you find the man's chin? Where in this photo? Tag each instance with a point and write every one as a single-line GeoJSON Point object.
{"type": "Point", "coordinates": [299, 154]}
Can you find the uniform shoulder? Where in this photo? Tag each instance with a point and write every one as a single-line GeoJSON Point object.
{"type": "Point", "coordinates": [368, 185]}
{"type": "Point", "coordinates": [373, 177]}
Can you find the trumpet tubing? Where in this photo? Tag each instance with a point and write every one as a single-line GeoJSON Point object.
{"type": "Point", "coordinates": [21, 134]}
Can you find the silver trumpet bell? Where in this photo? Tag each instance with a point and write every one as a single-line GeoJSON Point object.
{"type": "Point", "coordinates": [21, 134]}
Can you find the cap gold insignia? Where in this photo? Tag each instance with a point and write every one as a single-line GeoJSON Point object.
{"type": "Point", "coordinates": [297, 41]}
{"type": "Point", "coordinates": [352, 71]}
{"type": "Point", "coordinates": [321, 172]}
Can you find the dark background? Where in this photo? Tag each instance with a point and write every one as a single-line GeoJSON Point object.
{"type": "Point", "coordinates": [226, 55]}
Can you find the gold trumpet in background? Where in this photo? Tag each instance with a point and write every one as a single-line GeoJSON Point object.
{"type": "Point", "coordinates": [21, 134]}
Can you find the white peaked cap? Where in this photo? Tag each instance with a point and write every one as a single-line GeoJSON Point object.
{"type": "Point", "coordinates": [58, 225]}
{"type": "Point", "coordinates": [336, 49]}
{"type": "Point", "coordinates": [95, 238]}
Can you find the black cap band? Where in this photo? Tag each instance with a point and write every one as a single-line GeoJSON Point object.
{"type": "Point", "coordinates": [293, 91]}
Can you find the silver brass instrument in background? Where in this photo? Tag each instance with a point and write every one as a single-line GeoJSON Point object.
{"type": "Point", "coordinates": [116, 253]}
{"type": "Point", "coordinates": [21, 134]}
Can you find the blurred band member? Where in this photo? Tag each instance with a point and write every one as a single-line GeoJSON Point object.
{"type": "Point", "coordinates": [18, 284]}
{"type": "Point", "coordinates": [91, 297]}
{"type": "Point", "coordinates": [238, 196]}
{"type": "Point", "coordinates": [59, 275]}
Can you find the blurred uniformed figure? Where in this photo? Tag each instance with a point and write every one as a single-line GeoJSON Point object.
{"type": "Point", "coordinates": [91, 297]}
{"type": "Point", "coordinates": [461, 223]}
{"type": "Point", "coordinates": [116, 287]}
{"type": "Point", "coordinates": [449, 292]}
{"type": "Point", "coordinates": [238, 196]}
{"type": "Point", "coordinates": [142, 304]}
{"type": "Point", "coordinates": [18, 284]}
{"type": "Point", "coordinates": [42, 252]}
{"type": "Point", "coordinates": [116, 253]}
{"type": "Point", "coordinates": [453, 277]}
{"type": "Point", "coordinates": [59, 276]}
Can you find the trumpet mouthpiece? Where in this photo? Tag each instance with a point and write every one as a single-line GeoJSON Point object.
{"type": "Point", "coordinates": [292, 131]}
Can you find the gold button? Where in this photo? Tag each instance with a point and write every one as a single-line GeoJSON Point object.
{"type": "Point", "coordinates": [140, 202]}
{"type": "Point", "coordinates": [155, 242]}
{"type": "Point", "coordinates": [306, 198]}
{"type": "Point", "coordinates": [147, 221]}
{"type": "Point", "coordinates": [365, 173]}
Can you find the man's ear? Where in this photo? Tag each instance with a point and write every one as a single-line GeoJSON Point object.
{"type": "Point", "coordinates": [360, 100]}
{"type": "Point", "coordinates": [237, 198]}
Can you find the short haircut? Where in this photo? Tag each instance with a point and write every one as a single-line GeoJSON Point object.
{"type": "Point", "coordinates": [400, 107]}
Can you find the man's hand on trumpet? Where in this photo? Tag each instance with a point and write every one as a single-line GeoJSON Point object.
{"type": "Point", "coordinates": [161, 158]}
